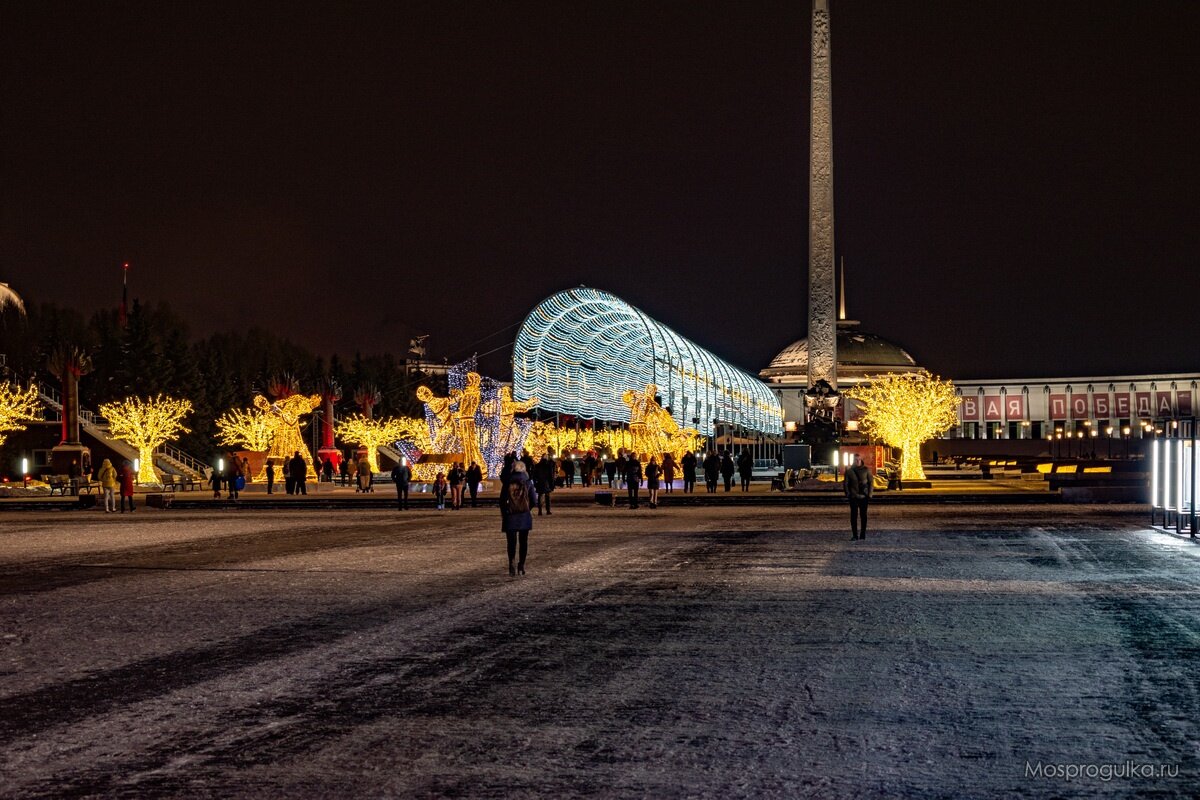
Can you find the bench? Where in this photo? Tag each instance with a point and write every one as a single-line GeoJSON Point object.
{"type": "Point", "coordinates": [85, 486]}
{"type": "Point", "coordinates": [58, 483]}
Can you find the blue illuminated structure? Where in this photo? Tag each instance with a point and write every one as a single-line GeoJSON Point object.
{"type": "Point", "coordinates": [578, 350]}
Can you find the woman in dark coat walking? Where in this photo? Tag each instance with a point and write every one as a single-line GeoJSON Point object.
{"type": "Point", "coordinates": [745, 465]}
{"type": "Point", "coordinates": [727, 470]}
{"type": "Point", "coordinates": [668, 471]}
{"type": "Point", "coordinates": [689, 471]}
{"type": "Point", "coordinates": [517, 497]}
{"type": "Point", "coordinates": [652, 473]}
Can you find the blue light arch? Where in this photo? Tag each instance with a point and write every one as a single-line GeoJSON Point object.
{"type": "Point", "coordinates": [579, 349]}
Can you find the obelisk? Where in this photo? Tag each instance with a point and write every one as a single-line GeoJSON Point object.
{"type": "Point", "coordinates": [822, 314]}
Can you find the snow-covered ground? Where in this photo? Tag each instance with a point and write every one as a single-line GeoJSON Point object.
{"type": "Point", "coordinates": [670, 653]}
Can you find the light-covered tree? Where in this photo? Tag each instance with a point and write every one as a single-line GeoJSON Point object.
{"type": "Point", "coordinates": [17, 406]}
{"type": "Point", "coordinates": [904, 410]}
{"type": "Point", "coordinates": [251, 428]}
{"type": "Point", "coordinates": [371, 433]}
{"type": "Point", "coordinates": [146, 425]}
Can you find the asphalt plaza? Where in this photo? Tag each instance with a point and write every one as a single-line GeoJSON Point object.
{"type": "Point", "coordinates": [711, 652]}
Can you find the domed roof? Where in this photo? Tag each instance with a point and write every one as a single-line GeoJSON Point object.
{"type": "Point", "coordinates": [858, 354]}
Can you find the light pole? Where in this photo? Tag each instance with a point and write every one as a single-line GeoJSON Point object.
{"type": "Point", "coordinates": [1095, 433]}
{"type": "Point", "coordinates": [1125, 433]}
{"type": "Point", "coordinates": [1108, 432]}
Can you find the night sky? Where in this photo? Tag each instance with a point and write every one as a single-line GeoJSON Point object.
{"type": "Point", "coordinates": [1015, 182]}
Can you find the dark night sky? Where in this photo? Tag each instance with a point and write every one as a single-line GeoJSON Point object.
{"type": "Point", "coordinates": [1015, 182]}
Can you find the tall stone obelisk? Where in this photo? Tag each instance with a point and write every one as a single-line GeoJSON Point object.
{"type": "Point", "coordinates": [822, 313]}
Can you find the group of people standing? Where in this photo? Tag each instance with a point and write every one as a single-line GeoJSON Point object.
{"type": "Point", "coordinates": [113, 479]}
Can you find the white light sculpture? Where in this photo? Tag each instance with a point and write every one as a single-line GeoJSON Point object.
{"type": "Point", "coordinates": [579, 349]}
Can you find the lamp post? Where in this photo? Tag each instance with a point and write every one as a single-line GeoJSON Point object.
{"type": "Point", "coordinates": [1080, 435]}
{"type": "Point", "coordinates": [1058, 438]}
{"type": "Point", "coordinates": [1095, 433]}
{"type": "Point", "coordinates": [1108, 432]}
{"type": "Point", "coordinates": [1125, 434]}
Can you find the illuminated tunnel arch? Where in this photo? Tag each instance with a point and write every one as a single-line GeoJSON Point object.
{"type": "Point", "coordinates": [579, 349]}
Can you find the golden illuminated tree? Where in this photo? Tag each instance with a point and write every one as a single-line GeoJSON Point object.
{"type": "Point", "coordinates": [904, 410]}
{"type": "Point", "coordinates": [17, 406]}
{"type": "Point", "coordinates": [371, 433]}
{"type": "Point", "coordinates": [147, 425]}
{"type": "Point", "coordinates": [252, 428]}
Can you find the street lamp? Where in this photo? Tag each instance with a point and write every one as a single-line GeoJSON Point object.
{"type": "Point", "coordinates": [1108, 432]}
{"type": "Point", "coordinates": [1125, 432]}
{"type": "Point", "coordinates": [1095, 433]}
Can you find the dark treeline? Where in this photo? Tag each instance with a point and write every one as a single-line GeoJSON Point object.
{"type": "Point", "coordinates": [155, 353]}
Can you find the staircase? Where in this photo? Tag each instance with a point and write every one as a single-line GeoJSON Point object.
{"type": "Point", "coordinates": [167, 459]}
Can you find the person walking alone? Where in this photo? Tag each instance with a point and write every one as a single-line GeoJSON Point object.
{"type": "Point", "coordinates": [456, 478]}
{"type": "Point", "coordinates": [289, 483]}
{"type": "Point", "coordinates": [610, 470]}
{"type": "Point", "coordinates": [231, 478]}
{"type": "Point", "coordinates": [633, 478]}
{"type": "Point", "coordinates": [109, 483]}
{"type": "Point", "coordinates": [270, 476]}
{"type": "Point", "coordinates": [689, 471]}
{"type": "Point", "coordinates": [474, 478]}
{"type": "Point", "coordinates": [712, 471]}
{"type": "Point", "coordinates": [745, 466]}
{"type": "Point", "coordinates": [727, 470]}
{"type": "Point", "coordinates": [668, 472]}
{"type": "Point", "coordinates": [300, 473]}
{"type": "Point", "coordinates": [127, 480]}
{"type": "Point", "coordinates": [859, 488]}
{"type": "Point", "coordinates": [402, 477]}
{"type": "Point", "coordinates": [652, 472]}
{"type": "Point", "coordinates": [568, 468]}
{"type": "Point", "coordinates": [439, 490]}
{"type": "Point", "coordinates": [365, 476]}
{"type": "Point", "coordinates": [543, 477]}
{"type": "Point", "coordinates": [517, 498]}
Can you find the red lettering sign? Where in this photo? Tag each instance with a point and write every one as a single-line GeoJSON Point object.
{"type": "Point", "coordinates": [1100, 405]}
{"type": "Point", "coordinates": [1058, 406]}
{"type": "Point", "coordinates": [1014, 407]}
{"type": "Point", "coordinates": [1121, 404]}
{"type": "Point", "coordinates": [969, 410]}
{"type": "Point", "coordinates": [1183, 401]}
{"type": "Point", "coordinates": [1079, 409]}
{"type": "Point", "coordinates": [1143, 404]}
{"type": "Point", "coordinates": [1162, 404]}
{"type": "Point", "coordinates": [992, 407]}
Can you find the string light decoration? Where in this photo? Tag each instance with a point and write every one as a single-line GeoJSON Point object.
{"type": "Point", "coordinates": [580, 348]}
{"type": "Point", "coordinates": [9, 297]}
{"type": "Point", "coordinates": [475, 422]}
{"type": "Point", "coordinates": [17, 406]}
{"type": "Point", "coordinates": [904, 410]}
{"type": "Point", "coordinates": [287, 412]}
{"type": "Point", "coordinates": [252, 429]}
{"type": "Point", "coordinates": [147, 425]}
{"type": "Point", "coordinates": [371, 433]}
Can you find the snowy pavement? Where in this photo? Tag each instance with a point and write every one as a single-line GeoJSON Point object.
{"type": "Point", "coordinates": [958, 652]}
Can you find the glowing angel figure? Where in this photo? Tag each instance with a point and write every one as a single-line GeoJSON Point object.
{"type": "Point", "coordinates": [464, 420]}
{"type": "Point", "coordinates": [287, 412]}
{"type": "Point", "coordinates": [643, 420]}
{"type": "Point", "coordinates": [441, 419]}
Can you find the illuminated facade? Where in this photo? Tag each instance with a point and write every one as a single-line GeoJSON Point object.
{"type": "Point", "coordinates": [579, 350]}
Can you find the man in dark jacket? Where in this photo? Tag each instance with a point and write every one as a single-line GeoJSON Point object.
{"type": "Point", "coordinates": [474, 478]}
{"type": "Point", "coordinates": [568, 466]}
{"type": "Point", "coordinates": [727, 470]}
{"type": "Point", "coordinates": [610, 470]}
{"type": "Point", "coordinates": [543, 480]}
{"type": "Point", "coordinates": [712, 471]}
{"type": "Point", "coordinates": [689, 471]}
{"type": "Point", "coordinates": [633, 478]}
{"type": "Point", "coordinates": [745, 465]}
{"type": "Point", "coordinates": [300, 473]}
{"type": "Point", "coordinates": [589, 468]}
{"type": "Point", "coordinates": [402, 477]}
{"type": "Point", "coordinates": [859, 488]}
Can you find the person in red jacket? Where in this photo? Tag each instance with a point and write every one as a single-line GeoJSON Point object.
{"type": "Point", "coordinates": [127, 478]}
